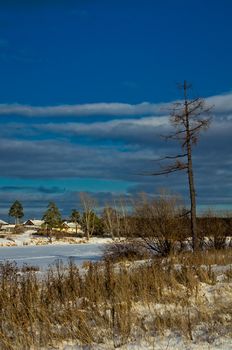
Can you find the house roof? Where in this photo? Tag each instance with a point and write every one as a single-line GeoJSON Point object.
{"type": "Point", "coordinates": [34, 222]}
{"type": "Point", "coordinates": [71, 224]}
{"type": "Point", "coordinates": [2, 222]}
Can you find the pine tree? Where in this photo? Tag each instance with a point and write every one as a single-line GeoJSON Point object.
{"type": "Point", "coordinates": [75, 217]}
{"type": "Point", "coordinates": [52, 217]}
{"type": "Point", "coordinates": [16, 210]}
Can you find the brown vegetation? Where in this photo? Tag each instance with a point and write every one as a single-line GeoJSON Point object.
{"type": "Point", "coordinates": [112, 302]}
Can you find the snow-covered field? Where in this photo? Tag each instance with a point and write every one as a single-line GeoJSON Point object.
{"type": "Point", "coordinates": [39, 251]}
{"type": "Point", "coordinates": [43, 256]}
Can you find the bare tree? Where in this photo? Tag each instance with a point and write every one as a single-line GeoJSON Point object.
{"type": "Point", "coordinates": [189, 118]}
{"type": "Point", "coordinates": [124, 217]}
{"type": "Point", "coordinates": [116, 219]}
{"type": "Point", "coordinates": [109, 217]}
{"type": "Point", "coordinates": [88, 204]}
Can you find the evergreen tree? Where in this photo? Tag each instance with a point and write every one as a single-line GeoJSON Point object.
{"type": "Point", "coordinates": [52, 216]}
{"type": "Point", "coordinates": [75, 217]}
{"type": "Point", "coordinates": [16, 211]}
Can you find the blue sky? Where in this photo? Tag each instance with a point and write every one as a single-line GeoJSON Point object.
{"type": "Point", "coordinates": [83, 86]}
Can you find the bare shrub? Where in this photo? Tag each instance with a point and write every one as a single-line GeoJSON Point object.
{"type": "Point", "coordinates": [159, 223]}
{"type": "Point", "coordinates": [27, 268]}
{"type": "Point", "coordinates": [213, 231]}
{"type": "Point", "coordinates": [18, 229]}
{"type": "Point", "coordinates": [126, 250]}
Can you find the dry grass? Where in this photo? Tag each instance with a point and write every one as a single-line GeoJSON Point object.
{"type": "Point", "coordinates": [112, 303]}
{"type": "Point", "coordinates": [208, 257]}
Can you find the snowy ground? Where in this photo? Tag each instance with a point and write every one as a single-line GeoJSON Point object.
{"type": "Point", "coordinates": [203, 339]}
{"type": "Point", "coordinates": [170, 341]}
{"type": "Point", "coordinates": [43, 256]}
{"type": "Point", "coordinates": [29, 238]}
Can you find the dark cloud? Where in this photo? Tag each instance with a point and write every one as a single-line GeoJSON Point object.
{"type": "Point", "coordinates": [53, 159]}
{"type": "Point", "coordinates": [54, 189]}
{"type": "Point", "coordinates": [56, 159]}
{"type": "Point", "coordinates": [29, 189]}
{"type": "Point", "coordinates": [35, 204]}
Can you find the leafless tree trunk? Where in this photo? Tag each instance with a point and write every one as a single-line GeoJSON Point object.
{"type": "Point", "coordinates": [192, 192]}
{"type": "Point", "coordinates": [88, 219]}
{"type": "Point", "coordinates": [186, 119]}
{"type": "Point", "coordinates": [109, 217]}
{"type": "Point", "coordinates": [116, 219]}
{"type": "Point", "coordinates": [123, 217]}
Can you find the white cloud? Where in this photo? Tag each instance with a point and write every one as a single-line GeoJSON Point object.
{"type": "Point", "coordinates": [114, 108]}
{"type": "Point", "coordinates": [116, 126]}
{"type": "Point", "coordinates": [221, 103]}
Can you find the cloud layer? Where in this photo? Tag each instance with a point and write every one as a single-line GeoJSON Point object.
{"type": "Point", "coordinates": [89, 109]}
{"type": "Point", "coordinates": [221, 104]}
{"type": "Point", "coordinates": [121, 147]}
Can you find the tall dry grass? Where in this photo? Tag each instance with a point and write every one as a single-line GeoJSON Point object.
{"type": "Point", "coordinates": [107, 302]}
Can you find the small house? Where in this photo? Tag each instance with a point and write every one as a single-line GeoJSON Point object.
{"type": "Point", "coordinates": [72, 227]}
{"type": "Point", "coordinates": [2, 222]}
{"type": "Point", "coordinates": [33, 223]}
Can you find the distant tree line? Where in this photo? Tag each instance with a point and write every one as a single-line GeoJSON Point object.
{"type": "Point", "coordinates": [161, 222]}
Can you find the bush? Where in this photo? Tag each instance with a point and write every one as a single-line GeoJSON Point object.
{"type": "Point", "coordinates": [160, 224]}
{"type": "Point", "coordinates": [213, 230]}
{"type": "Point", "coordinates": [128, 250]}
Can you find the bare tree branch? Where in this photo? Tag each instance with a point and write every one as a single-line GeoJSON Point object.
{"type": "Point", "coordinates": [171, 157]}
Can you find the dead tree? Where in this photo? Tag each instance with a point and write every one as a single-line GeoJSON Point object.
{"type": "Point", "coordinates": [88, 204]}
{"type": "Point", "coordinates": [189, 117]}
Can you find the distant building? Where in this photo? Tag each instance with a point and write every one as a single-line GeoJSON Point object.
{"type": "Point", "coordinates": [34, 223]}
{"type": "Point", "coordinates": [2, 222]}
{"type": "Point", "coordinates": [8, 228]}
{"type": "Point", "coordinates": [72, 227]}
{"type": "Point", "coordinates": [5, 227]}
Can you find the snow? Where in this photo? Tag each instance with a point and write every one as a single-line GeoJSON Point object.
{"type": "Point", "coordinates": [43, 256]}
{"type": "Point", "coordinates": [2, 222]}
{"type": "Point", "coordinates": [23, 238]}
{"type": "Point", "coordinates": [170, 341]}
{"type": "Point", "coordinates": [29, 237]}
{"type": "Point", "coordinates": [39, 251]}
{"type": "Point", "coordinates": [219, 339]}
